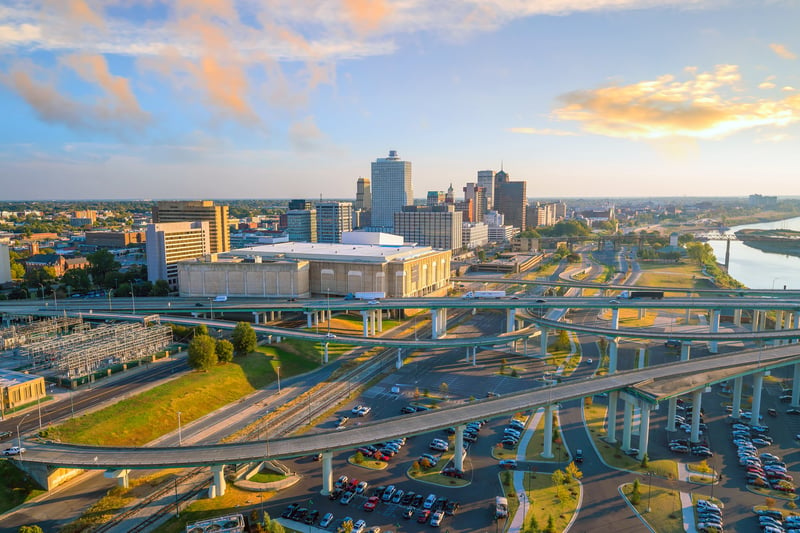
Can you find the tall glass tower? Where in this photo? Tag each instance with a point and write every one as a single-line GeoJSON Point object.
{"type": "Point", "coordinates": [391, 189]}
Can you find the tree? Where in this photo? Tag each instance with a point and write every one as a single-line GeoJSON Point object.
{"type": "Point", "coordinates": [243, 338]}
{"type": "Point", "coordinates": [30, 529]}
{"type": "Point", "coordinates": [202, 353]}
{"type": "Point", "coordinates": [563, 340]}
{"type": "Point", "coordinates": [224, 350]}
{"type": "Point", "coordinates": [358, 458]}
{"type": "Point", "coordinates": [551, 525]}
{"type": "Point", "coordinates": [200, 329]}
{"type": "Point", "coordinates": [573, 472]}
{"type": "Point", "coordinates": [645, 461]}
{"type": "Point", "coordinates": [635, 492]}
{"type": "Point", "coordinates": [503, 364]}
{"type": "Point", "coordinates": [102, 264]}
{"type": "Point", "coordinates": [444, 387]}
{"type": "Point", "coordinates": [160, 288]}
{"type": "Point", "coordinates": [533, 526]}
{"type": "Point", "coordinates": [78, 279]}
{"type": "Point", "coordinates": [558, 478]}
{"type": "Point", "coordinates": [276, 527]}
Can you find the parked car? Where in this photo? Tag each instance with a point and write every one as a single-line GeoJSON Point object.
{"type": "Point", "coordinates": [408, 512]}
{"type": "Point", "coordinates": [423, 515]}
{"type": "Point", "coordinates": [371, 503]}
{"type": "Point", "coordinates": [436, 519]}
{"type": "Point", "coordinates": [5, 434]}
{"type": "Point", "coordinates": [359, 526]}
{"type": "Point", "coordinates": [510, 464]}
{"type": "Point", "coordinates": [578, 456]}
{"type": "Point", "coordinates": [311, 517]}
{"type": "Point", "coordinates": [326, 520]}
{"type": "Point", "coordinates": [347, 497]}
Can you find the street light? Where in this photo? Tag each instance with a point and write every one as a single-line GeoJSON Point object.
{"type": "Point", "coordinates": [211, 302]}
{"type": "Point", "coordinates": [180, 436]}
{"type": "Point", "coordinates": [649, 489]}
{"type": "Point", "coordinates": [19, 437]}
{"type": "Point", "coordinates": [278, 371]}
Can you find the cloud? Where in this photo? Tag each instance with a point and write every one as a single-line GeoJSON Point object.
{"type": "Point", "coordinates": [700, 107]}
{"type": "Point", "coordinates": [305, 135]}
{"type": "Point", "coordinates": [766, 85]}
{"type": "Point", "coordinates": [13, 35]}
{"type": "Point", "coordinates": [542, 131]}
{"type": "Point", "coordinates": [782, 51]}
{"type": "Point", "coordinates": [74, 11]}
{"type": "Point", "coordinates": [366, 15]}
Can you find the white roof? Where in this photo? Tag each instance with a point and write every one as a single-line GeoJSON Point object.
{"type": "Point", "coordinates": [316, 251]}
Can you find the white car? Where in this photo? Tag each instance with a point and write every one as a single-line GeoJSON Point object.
{"type": "Point", "coordinates": [359, 526]}
{"type": "Point", "coordinates": [14, 450]}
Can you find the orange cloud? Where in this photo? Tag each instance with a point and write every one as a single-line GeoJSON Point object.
{"type": "Point", "coordinates": [366, 15]}
{"type": "Point", "coordinates": [77, 11]}
{"type": "Point", "coordinates": [782, 51]}
{"type": "Point", "coordinates": [665, 108]}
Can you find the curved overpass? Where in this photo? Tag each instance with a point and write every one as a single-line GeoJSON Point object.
{"type": "Point", "coordinates": [684, 376]}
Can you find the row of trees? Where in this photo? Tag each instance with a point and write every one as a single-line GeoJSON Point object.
{"type": "Point", "coordinates": [205, 352]}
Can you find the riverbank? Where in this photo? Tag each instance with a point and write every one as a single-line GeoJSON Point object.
{"type": "Point", "coordinates": [772, 241]}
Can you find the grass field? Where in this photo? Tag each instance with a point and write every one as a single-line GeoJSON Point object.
{"type": "Point", "coordinates": [142, 418]}
{"type": "Point", "coordinates": [547, 500]}
{"type": "Point", "coordinates": [234, 500]}
{"type": "Point", "coordinates": [679, 275]}
{"type": "Point", "coordinates": [665, 514]}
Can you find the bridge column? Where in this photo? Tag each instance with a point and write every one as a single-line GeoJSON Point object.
{"type": "Point", "coordinates": [686, 350]}
{"type": "Point", "coordinates": [615, 318]}
{"type": "Point", "coordinates": [611, 417]}
{"type": "Point", "coordinates": [613, 345]}
{"type": "Point", "coordinates": [627, 424]}
{"type": "Point", "coordinates": [644, 430]}
{"type": "Point", "coordinates": [372, 319]}
{"type": "Point", "coordinates": [434, 323]}
{"type": "Point", "coordinates": [474, 356]}
{"type": "Point", "coordinates": [736, 405]}
{"type": "Point", "coordinates": [796, 385]}
{"type": "Point", "coordinates": [458, 453]}
{"type": "Point", "coordinates": [547, 453]}
{"type": "Point", "coordinates": [697, 404]}
{"type": "Point", "coordinates": [309, 320]}
{"type": "Point", "coordinates": [510, 320]}
{"type": "Point", "coordinates": [672, 410]}
{"type": "Point", "coordinates": [737, 317]}
{"type": "Point", "coordinates": [758, 383]}
{"type": "Point", "coordinates": [327, 473]}
{"type": "Point", "coordinates": [714, 345]}
{"type": "Point", "coordinates": [365, 323]}
{"type": "Point", "coordinates": [543, 341]}
{"type": "Point", "coordinates": [688, 310]}
{"type": "Point", "coordinates": [641, 357]}
{"type": "Point", "coordinates": [796, 325]}
{"type": "Point", "coordinates": [325, 354]}
{"type": "Point", "coordinates": [218, 486]}
{"type": "Point", "coordinates": [642, 313]}
{"type": "Point", "coordinates": [255, 318]}
{"type": "Point", "coordinates": [380, 320]}
{"type": "Point", "coordinates": [399, 363]}
{"type": "Point", "coordinates": [467, 350]}
{"type": "Point", "coordinates": [122, 477]}
{"type": "Point", "coordinates": [272, 316]}
{"type": "Point", "coordinates": [444, 321]}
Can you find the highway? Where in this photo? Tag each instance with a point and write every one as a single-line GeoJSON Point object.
{"type": "Point", "coordinates": [724, 367]}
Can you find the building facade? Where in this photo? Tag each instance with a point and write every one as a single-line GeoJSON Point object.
{"type": "Point", "coordinates": [486, 180]}
{"type": "Point", "coordinates": [301, 225]}
{"type": "Point", "coordinates": [171, 242]}
{"type": "Point", "coordinates": [510, 198]}
{"type": "Point", "coordinates": [5, 263]}
{"type": "Point", "coordinates": [363, 195]}
{"type": "Point", "coordinates": [204, 210]}
{"type": "Point", "coordinates": [474, 234]}
{"type": "Point", "coordinates": [391, 189]}
{"type": "Point", "coordinates": [333, 219]}
{"type": "Point", "coordinates": [18, 389]}
{"type": "Point", "coordinates": [114, 239]}
{"type": "Point", "coordinates": [477, 195]}
{"type": "Point", "coordinates": [435, 226]}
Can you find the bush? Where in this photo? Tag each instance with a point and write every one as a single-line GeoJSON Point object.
{"type": "Point", "coordinates": [202, 353]}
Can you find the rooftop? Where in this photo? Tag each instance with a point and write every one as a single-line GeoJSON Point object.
{"type": "Point", "coordinates": [335, 252]}
{"type": "Point", "coordinates": [9, 378]}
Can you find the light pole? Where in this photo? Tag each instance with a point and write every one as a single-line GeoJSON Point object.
{"type": "Point", "coordinates": [39, 408]}
{"type": "Point", "coordinates": [278, 372]}
{"type": "Point", "coordinates": [19, 437]}
{"type": "Point", "coordinates": [649, 489]}
{"type": "Point", "coordinates": [133, 300]}
{"type": "Point", "coordinates": [42, 287]}
{"type": "Point", "coordinates": [180, 436]}
{"type": "Point", "coordinates": [211, 302]}
{"type": "Point", "coordinates": [328, 290]}
{"type": "Point", "coordinates": [109, 299]}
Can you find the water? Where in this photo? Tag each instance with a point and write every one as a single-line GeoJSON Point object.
{"type": "Point", "coordinates": [757, 269]}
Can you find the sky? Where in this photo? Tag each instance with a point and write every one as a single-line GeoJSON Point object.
{"type": "Point", "coordinates": [116, 99]}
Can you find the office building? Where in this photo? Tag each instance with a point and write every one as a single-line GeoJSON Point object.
{"type": "Point", "coordinates": [114, 239]}
{"type": "Point", "coordinates": [510, 199]}
{"type": "Point", "coordinates": [300, 205]}
{"type": "Point", "coordinates": [203, 210]}
{"type": "Point", "coordinates": [435, 197]}
{"type": "Point", "coordinates": [301, 225]}
{"type": "Point", "coordinates": [18, 389]}
{"type": "Point", "coordinates": [171, 242]}
{"type": "Point", "coordinates": [363, 195]}
{"type": "Point", "coordinates": [486, 180]}
{"type": "Point", "coordinates": [333, 219]}
{"type": "Point", "coordinates": [449, 197]}
{"type": "Point", "coordinates": [435, 226]}
{"type": "Point", "coordinates": [5, 264]}
{"type": "Point", "coordinates": [391, 189]}
{"type": "Point", "coordinates": [477, 195]}
{"type": "Point", "coordinates": [474, 234]}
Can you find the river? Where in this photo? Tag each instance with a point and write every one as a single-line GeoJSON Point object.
{"type": "Point", "coordinates": [757, 269]}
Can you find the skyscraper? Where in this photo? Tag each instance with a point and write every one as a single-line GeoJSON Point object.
{"type": "Point", "coordinates": [486, 180]}
{"type": "Point", "coordinates": [301, 225]}
{"type": "Point", "coordinates": [510, 199]}
{"type": "Point", "coordinates": [363, 195]}
{"type": "Point", "coordinates": [477, 195]}
{"type": "Point", "coordinates": [189, 211]}
{"type": "Point", "coordinates": [391, 189]}
{"type": "Point", "coordinates": [170, 242]}
{"type": "Point", "coordinates": [333, 218]}
{"type": "Point", "coordinates": [438, 226]}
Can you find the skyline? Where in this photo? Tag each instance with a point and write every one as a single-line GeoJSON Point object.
{"type": "Point", "coordinates": [111, 100]}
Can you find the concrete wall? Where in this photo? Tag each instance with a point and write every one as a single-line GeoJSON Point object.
{"type": "Point", "coordinates": [277, 279]}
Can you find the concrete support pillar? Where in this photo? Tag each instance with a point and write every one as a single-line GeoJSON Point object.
{"type": "Point", "coordinates": [547, 453]}
{"type": "Point", "coordinates": [672, 410]}
{"type": "Point", "coordinates": [714, 345]}
{"type": "Point", "coordinates": [686, 350]}
{"type": "Point", "coordinates": [611, 417]}
{"type": "Point", "coordinates": [444, 321]}
{"type": "Point", "coordinates": [736, 404]}
{"type": "Point", "coordinates": [758, 383]}
{"type": "Point", "coordinates": [255, 318]}
{"type": "Point", "coordinates": [644, 431]}
{"type": "Point", "coordinates": [309, 319]}
{"type": "Point", "coordinates": [778, 325]}
{"type": "Point", "coordinates": [474, 356]}
{"type": "Point", "coordinates": [613, 346]}
{"type": "Point", "coordinates": [122, 476]}
{"type": "Point", "coordinates": [327, 473]}
{"type": "Point", "coordinates": [697, 405]}
{"type": "Point", "coordinates": [615, 318]}
{"type": "Point", "coordinates": [510, 320]}
{"type": "Point", "coordinates": [365, 323]}
{"type": "Point", "coordinates": [641, 357]}
{"type": "Point", "coordinates": [627, 425]}
{"type": "Point", "coordinates": [642, 313]}
{"type": "Point", "coordinates": [218, 485]}
{"type": "Point", "coordinates": [796, 325]}
{"type": "Point", "coordinates": [543, 342]}
{"type": "Point", "coordinates": [458, 452]}
{"type": "Point", "coordinates": [380, 320]}
{"type": "Point", "coordinates": [688, 311]}
{"type": "Point", "coordinates": [325, 354]}
{"type": "Point", "coordinates": [756, 317]}
{"type": "Point", "coordinates": [467, 350]}
{"type": "Point", "coordinates": [272, 316]}
{"type": "Point", "coordinates": [399, 363]}
{"type": "Point", "coordinates": [434, 323]}
{"type": "Point", "coordinates": [796, 386]}
{"type": "Point", "coordinates": [737, 317]}
{"type": "Point", "coordinates": [372, 316]}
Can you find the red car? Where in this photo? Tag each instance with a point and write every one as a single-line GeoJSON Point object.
{"type": "Point", "coordinates": [423, 515]}
{"type": "Point", "coordinates": [371, 503]}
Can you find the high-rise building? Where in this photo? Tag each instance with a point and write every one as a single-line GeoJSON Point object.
{"type": "Point", "coordinates": [333, 218]}
{"type": "Point", "coordinates": [363, 195]}
{"type": "Point", "coordinates": [170, 242]}
{"type": "Point", "coordinates": [300, 205]}
{"type": "Point", "coordinates": [486, 180]}
{"type": "Point", "coordinates": [189, 211]}
{"type": "Point", "coordinates": [391, 189]}
{"type": "Point", "coordinates": [435, 198]}
{"type": "Point", "coordinates": [474, 234]}
{"type": "Point", "coordinates": [301, 225]}
{"type": "Point", "coordinates": [435, 226]}
{"type": "Point", "coordinates": [5, 264]}
{"type": "Point", "coordinates": [449, 197]}
{"type": "Point", "coordinates": [477, 194]}
{"type": "Point", "coordinates": [510, 199]}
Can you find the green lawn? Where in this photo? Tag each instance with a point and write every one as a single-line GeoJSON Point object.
{"type": "Point", "coordinates": [680, 275]}
{"type": "Point", "coordinates": [144, 417]}
{"type": "Point", "coordinates": [665, 514]}
{"type": "Point", "coordinates": [546, 500]}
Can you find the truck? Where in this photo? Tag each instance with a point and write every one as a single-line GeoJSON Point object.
{"type": "Point", "coordinates": [484, 294]}
{"type": "Point", "coordinates": [500, 507]}
{"type": "Point", "coordinates": [653, 295]}
{"type": "Point", "coordinates": [365, 295]}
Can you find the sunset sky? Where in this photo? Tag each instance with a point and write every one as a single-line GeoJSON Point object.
{"type": "Point", "coordinates": [295, 98]}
